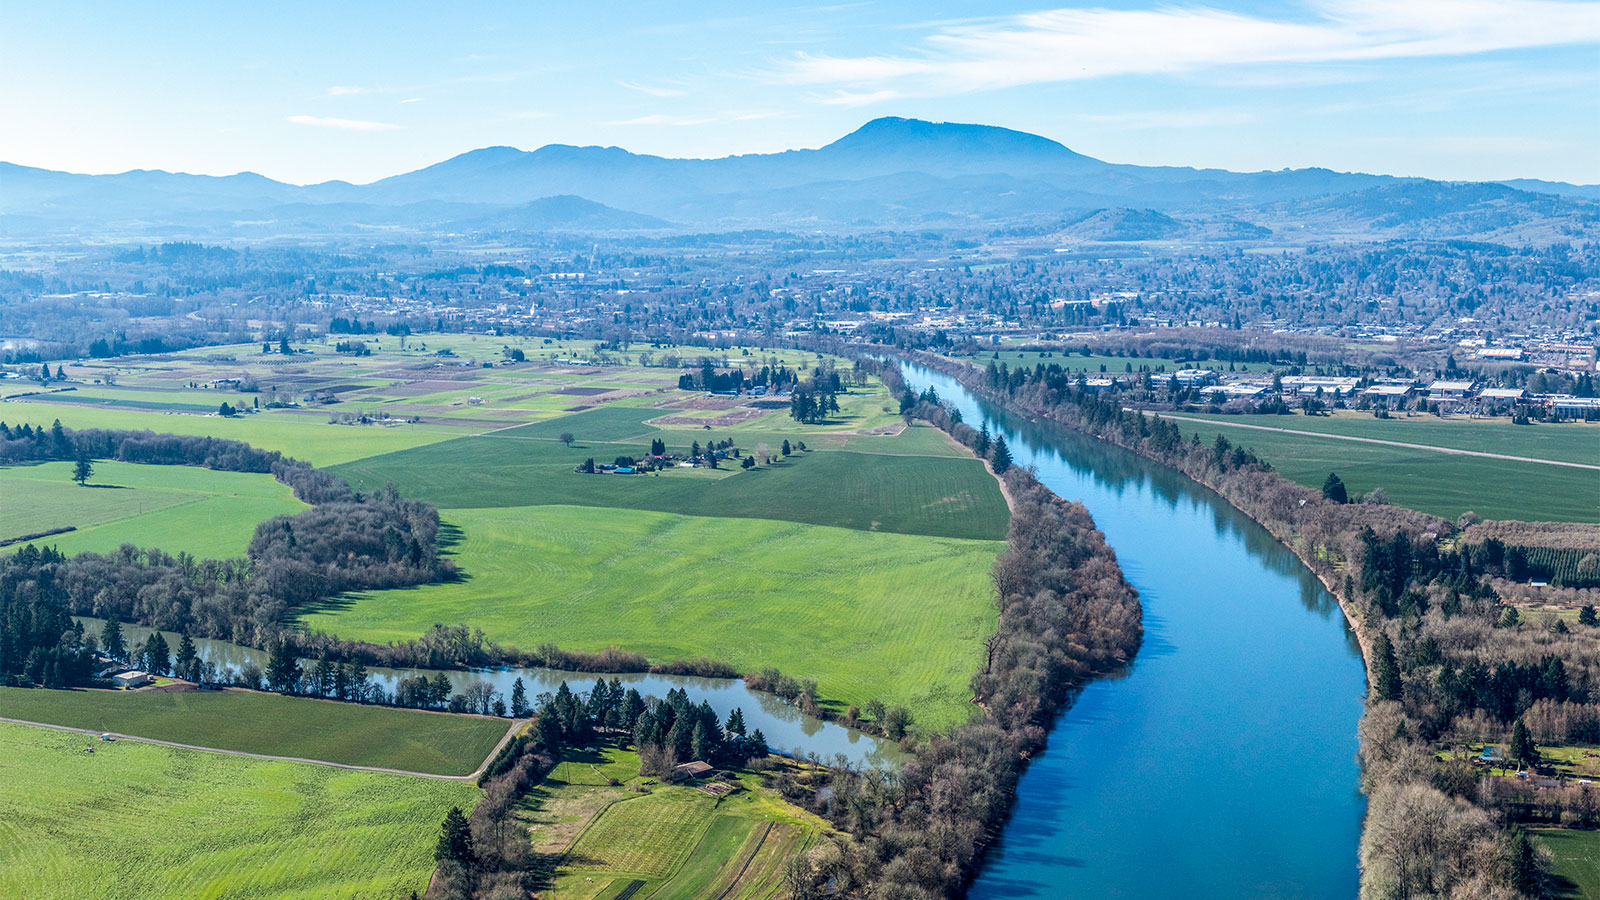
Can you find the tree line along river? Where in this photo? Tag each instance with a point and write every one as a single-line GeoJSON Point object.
{"type": "Point", "coordinates": [1223, 763]}
{"type": "Point", "coordinates": [786, 729]}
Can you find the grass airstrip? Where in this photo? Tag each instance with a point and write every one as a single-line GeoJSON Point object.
{"type": "Point", "coordinates": [1439, 483]}
{"type": "Point", "coordinates": [113, 824]}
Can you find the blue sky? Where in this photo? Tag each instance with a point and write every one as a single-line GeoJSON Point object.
{"type": "Point", "coordinates": [1461, 89]}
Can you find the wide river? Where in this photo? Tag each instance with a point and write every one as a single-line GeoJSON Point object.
{"type": "Point", "coordinates": [1222, 765]}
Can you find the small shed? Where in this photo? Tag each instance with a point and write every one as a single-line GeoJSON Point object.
{"type": "Point", "coordinates": [131, 679]}
{"type": "Point", "coordinates": [690, 770]}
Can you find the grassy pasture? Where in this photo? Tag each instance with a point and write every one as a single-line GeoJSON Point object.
{"type": "Point", "coordinates": [680, 843]}
{"type": "Point", "coordinates": [1576, 855]}
{"type": "Point", "coordinates": [736, 859]}
{"type": "Point", "coordinates": [650, 835]}
{"type": "Point", "coordinates": [1425, 480]}
{"type": "Point", "coordinates": [943, 497]}
{"type": "Point", "coordinates": [269, 724]}
{"type": "Point", "coordinates": [898, 617]}
{"type": "Point", "coordinates": [178, 508]}
{"type": "Point", "coordinates": [314, 441]}
{"type": "Point", "coordinates": [605, 425]}
{"type": "Point", "coordinates": [115, 824]}
{"type": "Point", "coordinates": [1577, 442]}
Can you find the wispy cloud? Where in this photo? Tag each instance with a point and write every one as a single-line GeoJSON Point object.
{"type": "Point", "coordinates": [346, 90]}
{"type": "Point", "coordinates": [1074, 44]}
{"type": "Point", "coordinates": [659, 119]}
{"type": "Point", "coordinates": [412, 100]}
{"type": "Point", "coordinates": [652, 91]}
{"type": "Point", "coordinates": [856, 98]}
{"type": "Point", "coordinates": [1173, 118]}
{"type": "Point", "coordinates": [343, 124]}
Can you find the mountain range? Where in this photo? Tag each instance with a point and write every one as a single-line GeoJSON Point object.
{"type": "Point", "coordinates": [890, 173]}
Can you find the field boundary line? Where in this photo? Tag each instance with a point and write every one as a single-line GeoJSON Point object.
{"type": "Point", "coordinates": [1366, 440]}
{"type": "Point", "coordinates": [515, 724]}
{"type": "Point", "coordinates": [754, 852]}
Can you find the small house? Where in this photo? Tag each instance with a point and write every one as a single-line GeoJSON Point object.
{"type": "Point", "coordinates": [131, 679]}
{"type": "Point", "coordinates": [1490, 754]}
{"type": "Point", "coordinates": [691, 770]}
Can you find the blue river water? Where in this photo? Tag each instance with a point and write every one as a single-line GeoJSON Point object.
{"type": "Point", "coordinates": [1222, 764]}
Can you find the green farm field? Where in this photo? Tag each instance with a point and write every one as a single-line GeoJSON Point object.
{"type": "Point", "coordinates": [1576, 857]}
{"type": "Point", "coordinates": [1577, 442]}
{"type": "Point", "coordinates": [315, 442]}
{"type": "Point", "coordinates": [1439, 483]}
{"type": "Point", "coordinates": [111, 824]}
{"type": "Point", "coordinates": [680, 843]}
{"type": "Point", "coordinates": [435, 743]}
{"type": "Point", "coordinates": [896, 617]}
{"type": "Point", "coordinates": [936, 496]}
{"type": "Point", "coordinates": [177, 508]}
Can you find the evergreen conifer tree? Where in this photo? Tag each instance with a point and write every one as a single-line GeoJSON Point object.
{"type": "Point", "coordinates": [1000, 457]}
{"type": "Point", "coordinates": [1333, 489]}
{"type": "Point", "coordinates": [455, 838]}
{"type": "Point", "coordinates": [519, 699]}
{"type": "Point", "coordinates": [111, 638]}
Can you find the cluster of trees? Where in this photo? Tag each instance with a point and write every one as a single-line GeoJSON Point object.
{"type": "Point", "coordinates": [1449, 663]}
{"type": "Point", "coordinates": [665, 732]}
{"type": "Point", "coordinates": [39, 641]}
{"type": "Point", "coordinates": [707, 378]}
{"type": "Point", "coordinates": [812, 407]}
{"type": "Point", "coordinates": [354, 325]}
{"type": "Point", "coordinates": [994, 449]}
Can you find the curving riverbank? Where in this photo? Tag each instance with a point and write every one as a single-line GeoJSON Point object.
{"type": "Point", "coordinates": [1222, 764]}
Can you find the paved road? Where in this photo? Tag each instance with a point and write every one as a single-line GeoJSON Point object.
{"type": "Point", "coordinates": [315, 762]}
{"type": "Point", "coordinates": [1363, 440]}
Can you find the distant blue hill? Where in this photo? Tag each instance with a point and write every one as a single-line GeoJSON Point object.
{"type": "Point", "coordinates": [891, 172]}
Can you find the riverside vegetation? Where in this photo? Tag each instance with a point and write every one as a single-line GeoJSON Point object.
{"type": "Point", "coordinates": [1449, 662]}
{"type": "Point", "coordinates": [1066, 615]}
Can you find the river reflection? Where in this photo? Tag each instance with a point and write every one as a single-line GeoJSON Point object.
{"type": "Point", "coordinates": [787, 730]}
{"type": "Point", "coordinates": [1223, 764]}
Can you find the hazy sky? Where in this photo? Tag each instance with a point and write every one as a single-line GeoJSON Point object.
{"type": "Point", "coordinates": [1468, 89]}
